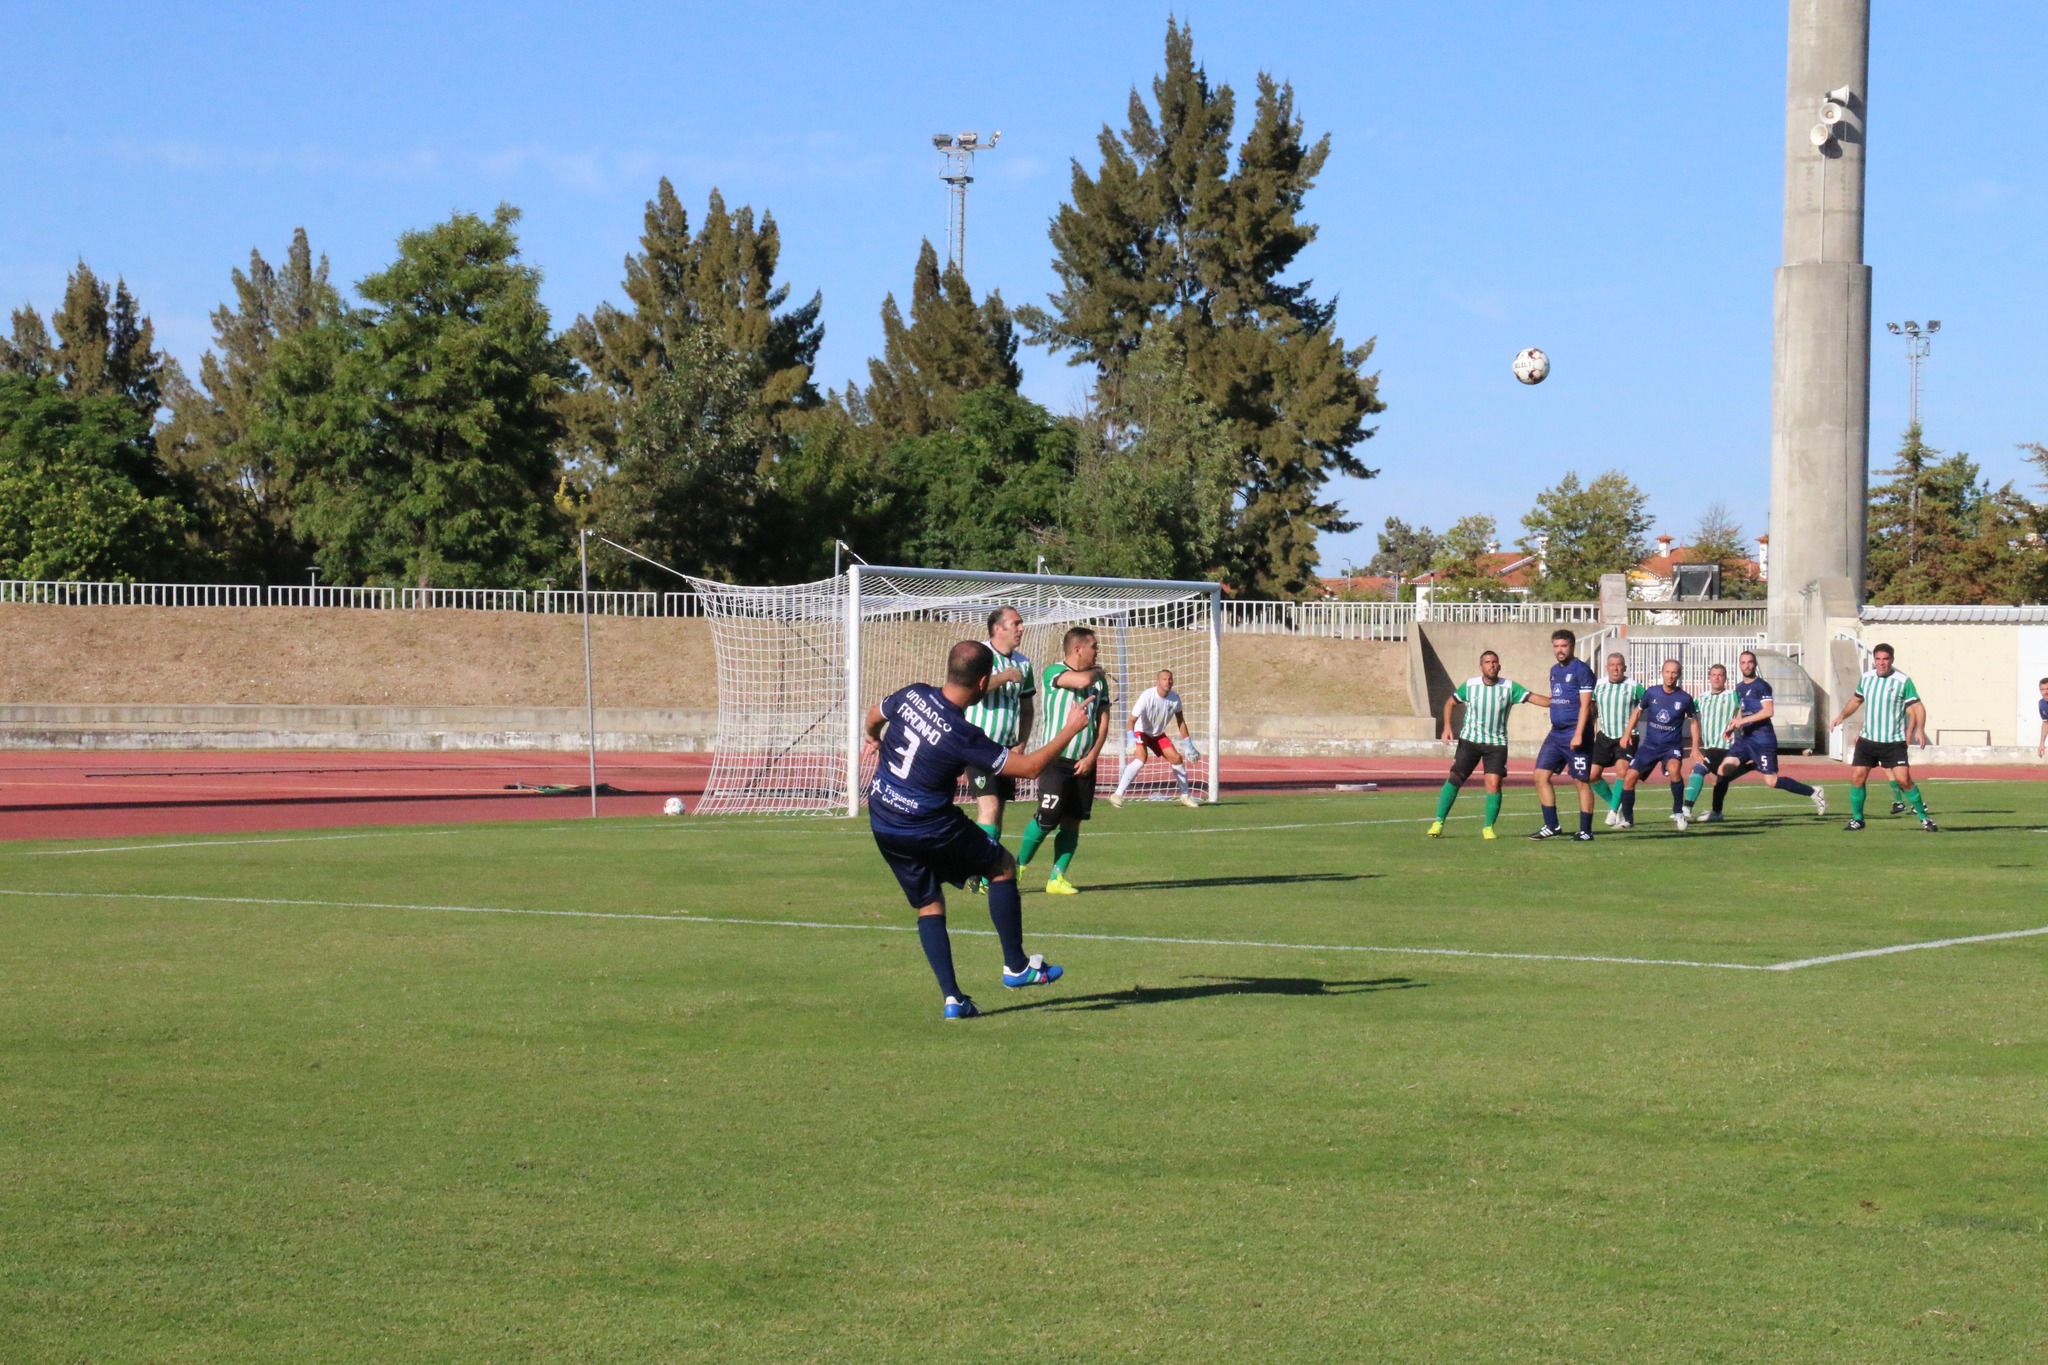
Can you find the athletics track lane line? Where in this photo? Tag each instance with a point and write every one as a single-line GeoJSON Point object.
{"type": "Point", "coordinates": [1051, 934]}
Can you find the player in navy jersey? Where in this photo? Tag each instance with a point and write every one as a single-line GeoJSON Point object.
{"type": "Point", "coordinates": [1668, 714]}
{"type": "Point", "coordinates": [922, 741]}
{"type": "Point", "coordinates": [2041, 746]}
{"type": "Point", "coordinates": [1568, 746]}
{"type": "Point", "coordinates": [1753, 741]}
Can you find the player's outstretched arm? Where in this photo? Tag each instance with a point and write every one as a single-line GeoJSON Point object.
{"type": "Point", "coordinates": [1855, 705]}
{"type": "Point", "coordinates": [1079, 679]}
{"type": "Point", "coordinates": [1538, 699]}
{"type": "Point", "coordinates": [1450, 704]}
{"type": "Point", "coordinates": [1021, 764]}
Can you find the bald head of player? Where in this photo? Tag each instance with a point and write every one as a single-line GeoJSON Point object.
{"type": "Point", "coordinates": [967, 669]}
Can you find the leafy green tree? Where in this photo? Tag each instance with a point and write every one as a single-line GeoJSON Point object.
{"type": "Point", "coordinates": [1171, 233]}
{"type": "Point", "coordinates": [1939, 533]}
{"type": "Point", "coordinates": [1404, 550]}
{"type": "Point", "coordinates": [103, 344]}
{"type": "Point", "coordinates": [1463, 574]}
{"type": "Point", "coordinates": [721, 277]}
{"type": "Point", "coordinates": [1584, 530]}
{"type": "Point", "coordinates": [951, 346]}
{"type": "Point", "coordinates": [211, 435]}
{"type": "Point", "coordinates": [1718, 539]}
{"type": "Point", "coordinates": [1152, 493]}
{"type": "Point", "coordinates": [416, 439]}
{"type": "Point", "coordinates": [985, 493]}
{"type": "Point", "coordinates": [82, 493]}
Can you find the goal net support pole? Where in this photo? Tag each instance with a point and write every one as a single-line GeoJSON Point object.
{"type": "Point", "coordinates": [799, 666]}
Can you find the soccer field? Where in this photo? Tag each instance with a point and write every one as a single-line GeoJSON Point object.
{"type": "Point", "coordinates": [1314, 1087]}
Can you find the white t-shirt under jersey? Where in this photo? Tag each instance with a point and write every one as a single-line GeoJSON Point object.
{"type": "Point", "coordinates": [1151, 713]}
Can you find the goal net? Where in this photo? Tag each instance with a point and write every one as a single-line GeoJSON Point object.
{"type": "Point", "coordinates": [790, 658]}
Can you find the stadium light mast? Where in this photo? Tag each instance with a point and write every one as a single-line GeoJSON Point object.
{"type": "Point", "coordinates": [1919, 342]}
{"type": "Point", "coordinates": [956, 153]}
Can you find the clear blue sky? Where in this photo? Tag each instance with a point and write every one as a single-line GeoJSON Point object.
{"type": "Point", "coordinates": [1599, 179]}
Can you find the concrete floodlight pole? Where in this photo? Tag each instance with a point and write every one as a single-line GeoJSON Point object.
{"type": "Point", "coordinates": [1820, 378]}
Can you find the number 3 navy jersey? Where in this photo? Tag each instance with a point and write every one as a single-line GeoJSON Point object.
{"type": "Point", "coordinates": [1754, 693]}
{"type": "Point", "coordinates": [927, 742]}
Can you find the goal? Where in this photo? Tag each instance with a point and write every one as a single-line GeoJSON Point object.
{"type": "Point", "coordinates": [790, 658]}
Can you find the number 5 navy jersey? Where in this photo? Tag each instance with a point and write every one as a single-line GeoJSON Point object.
{"type": "Point", "coordinates": [927, 742]}
{"type": "Point", "coordinates": [1754, 694]}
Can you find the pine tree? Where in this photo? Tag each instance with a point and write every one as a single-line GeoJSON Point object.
{"type": "Point", "coordinates": [103, 345]}
{"type": "Point", "coordinates": [950, 347]}
{"type": "Point", "coordinates": [1169, 233]}
{"type": "Point", "coordinates": [416, 440]}
{"type": "Point", "coordinates": [1940, 534]}
{"type": "Point", "coordinates": [1152, 493]}
{"type": "Point", "coordinates": [1403, 550]}
{"type": "Point", "coordinates": [723, 278]}
{"type": "Point", "coordinates": [211, 435]}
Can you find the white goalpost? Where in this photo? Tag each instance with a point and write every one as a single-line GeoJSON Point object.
{"type": "Point", "coordinates": [799, 666]}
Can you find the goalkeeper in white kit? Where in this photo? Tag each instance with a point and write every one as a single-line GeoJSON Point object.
{"type": "Point", "coordinates": [1155, 708]}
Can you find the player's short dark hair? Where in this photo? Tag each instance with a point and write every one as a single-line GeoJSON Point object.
{"type": "Point", "coordinates": [1884, 649]}
{"type": "Point", "coordinates": [995, 618]}
{"type": "Point", "coordinates": [969, 662]}
{"type": "Point", "coordinates": [1073, 634]}
{"type": "Point", "coordinates": [1717, 668]}
{"type": "Point", "coordinates": [1486, 654]}
{"type": "Point", "coordinates": [2042, 683]}
{"type": "Point", "coordinates": [1750, 652]}
{"type": "Point", "coordinates": [1565, 636]}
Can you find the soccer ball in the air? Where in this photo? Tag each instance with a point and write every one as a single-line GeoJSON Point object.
{"type": "Point", "coordinates": [672, 806]}
{"type": "Point", "coordinates": [1532, 366]}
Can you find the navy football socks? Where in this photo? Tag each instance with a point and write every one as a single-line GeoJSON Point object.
{"type": "Point", "coordinates": [1678, 798]}
{"type": "Point", "coordinates": [1795, 786]}
{"type": "Point", "coordinates": [1628, 804]}
{"type": "Point", "coordinates": [938, 949]}
{"type": "Point", "coordinates": [1550, 817]}
{"type": "Point", "coordinates": [1006, 912]}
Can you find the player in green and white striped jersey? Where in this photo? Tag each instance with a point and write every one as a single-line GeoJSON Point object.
{"type": "Point", "coordinates": [1482, 739]}
{"type": "Point", "coordinates": [1894, 717]}
{"type": "Point", "coordinates": [1615, 698]}
{"type": "Point", "coordinates": [1718, 707]}
{"type": "Point", "coordinates": [1004, 715]}
{"type": "Point", "coordinates": [1066, 789]}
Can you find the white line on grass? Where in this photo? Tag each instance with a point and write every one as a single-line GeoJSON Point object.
{"type": "Point", "coordinates": [1905, 948]}
{"type": "Point", "coordinates": [1051, 934]}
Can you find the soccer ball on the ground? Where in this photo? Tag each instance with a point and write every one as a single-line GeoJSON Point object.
{"type": "Point", "coordinates": [672, 806]}
{"type": "Point", "coordinates": [1532, 366]}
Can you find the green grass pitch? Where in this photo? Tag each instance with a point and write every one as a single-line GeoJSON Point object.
{"type": "Point", "coordinates": [254, 1128]}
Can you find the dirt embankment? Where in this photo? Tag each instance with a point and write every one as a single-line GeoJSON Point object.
{"type": "Point", "coordinates": [291, 656]}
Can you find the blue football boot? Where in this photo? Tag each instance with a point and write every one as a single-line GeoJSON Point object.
{"type": "Point", "coordinates": [1037, 972]}
{"type": "Point", "coordinates": [961, 1007]}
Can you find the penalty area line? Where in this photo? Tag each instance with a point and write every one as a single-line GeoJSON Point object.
{"type": "Point", "coordinates": [1906, 948]}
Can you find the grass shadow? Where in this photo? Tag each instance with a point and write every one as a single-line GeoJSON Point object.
{"type": "Point", "coordinates": [1210, 987]}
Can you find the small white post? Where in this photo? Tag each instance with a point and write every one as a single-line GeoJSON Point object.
{"type": "Point", "coordinates": [856, 714]}
{"type": "Point", "coordinates": [589, 691]}
{"type": "Point", "coordinates": [1215, 691]}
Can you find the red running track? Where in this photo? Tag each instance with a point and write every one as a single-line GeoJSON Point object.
{"type": "Point", "coordinates": [71, 795]}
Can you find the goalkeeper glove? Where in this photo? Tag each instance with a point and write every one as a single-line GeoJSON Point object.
{"type": "Point", "coordinates": [1187, 747]}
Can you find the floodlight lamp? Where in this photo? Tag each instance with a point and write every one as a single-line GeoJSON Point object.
{"type": "Point", "coordinates": [969, 139]}
{"type": "Point", "coordinates": [1912, 328]}
{"type": "Point", "coordinates": [995, 137]}
{"type": "Point", "coordinates": [1932, 327]}
{"type": "Point", "coordinates": [942, 140]}
{"type": "Point", "coordinates": [1892, 327]}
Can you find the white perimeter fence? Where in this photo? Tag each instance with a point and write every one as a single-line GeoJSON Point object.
{"type": "Point", "coordinates": [1318, 620]}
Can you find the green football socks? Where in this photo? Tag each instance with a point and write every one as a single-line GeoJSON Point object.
{"type": "Point", "coordinates": [1856, 795]}
{"type": "Point", "coordinates": [1919, 805]}
{"type": "Point", "coordinates": [1898, 792]}
{"type": "Point", "coordinates": [1063, 845]}
{"type": "Point", "coordinates": [1606, 793]}
{"type": "Point", "coordinates": [994, 832]}
{"type": "Point", "coordinates": [1693, 785]}
{"type": "Point", "coordinates": [1445, 799]}
{"type": "Point", "coordinates": [1492, 808]}
{"type": "Point", "coordinates": [1034, 835]}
